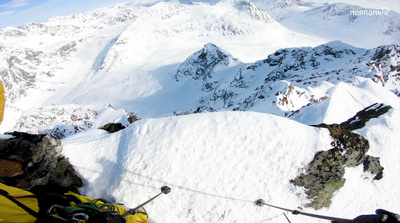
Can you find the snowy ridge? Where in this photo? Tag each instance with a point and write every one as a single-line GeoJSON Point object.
{"type": "Point", "coordinates": [218, 164]}
{"type": "Point", "coordinates": [288, 79]}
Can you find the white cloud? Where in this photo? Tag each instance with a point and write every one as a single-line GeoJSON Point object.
{"type": "Point", "coordinates": [15, 4]}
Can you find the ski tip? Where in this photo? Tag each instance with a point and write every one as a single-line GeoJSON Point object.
{"type": "Point", "coordinates": [259, 202]}
{"type": "Point", "coordinates": [165, 190]}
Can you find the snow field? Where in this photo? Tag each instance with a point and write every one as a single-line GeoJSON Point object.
{"type": "Point", "coordinates": [217, 164]}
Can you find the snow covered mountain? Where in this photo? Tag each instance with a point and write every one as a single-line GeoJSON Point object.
{"type": "Point", "coordinates": [73, 58]}
{"type": "Point", "coordinates": [281, 9]}
{"type": "Point", "coordinates": [289, 79]}
{"type": "Point", "coordinates": [361, 27]}
{"type": "Point", "coordinates": [226, 92]}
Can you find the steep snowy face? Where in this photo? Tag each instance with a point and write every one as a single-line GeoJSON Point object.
{"type": "Point", "coordinates": [40, 54]}
{"type": "Point", "coordinates": [20, 69]}
{"type": "Point", "coordinates": [254, 11]}
{"type": "Point", "coordinates": [177, 29]}
{"type": "Point", "coordinates": [40, 58]}
{"type": "Point", "coordinates": [201, 64]}
{"type": "Point", "coordinates": [275, 4]}
{"type": "Point", "coordinates": [280, 9]}
{"type": "Point", "coordinates": [354, 25]}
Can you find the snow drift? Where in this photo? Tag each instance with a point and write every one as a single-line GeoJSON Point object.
{"type": "Point", "coordinates": [219, 163]}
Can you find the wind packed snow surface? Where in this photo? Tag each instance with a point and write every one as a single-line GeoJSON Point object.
{"type": "Point", "coordinates": [218, 164]}
{"type": "Point", "coordinates": [143, 58]}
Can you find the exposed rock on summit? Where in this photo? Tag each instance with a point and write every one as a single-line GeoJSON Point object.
{"type": "Point", "coordinates": [325, 174]}
{"type": "Point", "coordinates": [112, 127]}
{"type": "Point", "coordinates": [28, 160]}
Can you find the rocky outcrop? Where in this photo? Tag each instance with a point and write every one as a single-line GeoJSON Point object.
{"type": "Point", "coordinates": [117, 126]}
{"type": "Point", "coordinates": [373, 166]}
{"type": "Point", "coordinates": [363, 116]}
{"type": "Point", "coordinates": [28, 160]}
{"type": "Point", "coordinates": [325, 174]}
{"type": "Point", "coordinates": [112, 127]}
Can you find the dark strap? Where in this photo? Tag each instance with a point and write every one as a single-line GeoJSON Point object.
{"type": "Point", "coordinates": [21, 205]}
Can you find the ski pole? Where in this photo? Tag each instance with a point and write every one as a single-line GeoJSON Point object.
{"type": "Point", "coordinates": [164, 190]}
{"type": "Point", "coordinates": [261, 202]}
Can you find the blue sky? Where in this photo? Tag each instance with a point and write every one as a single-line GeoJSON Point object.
{"type": "Point", "coordinates": [20, 12]}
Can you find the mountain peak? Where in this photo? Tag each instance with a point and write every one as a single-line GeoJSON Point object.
{"type": "Point", "coordinates": [275, 4]}
{"type": "Point", "coordinates": [202, 63]}
{"type": "Point", "coordinates": [280, 9]}
{"type": "Point", "coordinates": [254, 11]}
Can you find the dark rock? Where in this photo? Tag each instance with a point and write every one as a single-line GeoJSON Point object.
{"type": "Point", "coordinates": [132, 118]}
{"type": "Point", "coordinates": [33, 138]}
{"type": "Point", "coordinates": [354, 146]}
{"type": "Point", "coordinates": [363, 116]}
{"type": "Point", "coordinates": [112, 127]}
{"type": "Point", "coordinates": [325, 174]}
{"type": "Point", "coordinates": [36, 160]}
{"type": "Point", "coordinates": [372, 165]}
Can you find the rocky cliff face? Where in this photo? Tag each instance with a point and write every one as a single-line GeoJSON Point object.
{"type": "Point", "coordinates": [280, 83]}
{"type": "Point", "coordinates": [325, 174]}
{"type": "Point", "coordinates": [28, 160]}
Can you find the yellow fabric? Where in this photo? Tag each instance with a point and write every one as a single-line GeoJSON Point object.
{"type": "Point", "coordinates": [12, 213]}
{"type": "Point", "coordinates": [136, 218]}
{"type": "Point", "coordinates": [2, 102]}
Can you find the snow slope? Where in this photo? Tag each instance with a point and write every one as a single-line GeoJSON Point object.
{"type": "Point", "coordinates": [281, 9]}
{"type": "Point", "coordinates": [345, 99]}
{"type": "Point", "coordinates": [218, 164]}
{"type": "Point", "coordinates": [111, 54]}
{"type": "Point", "coordinates": [351, 24]}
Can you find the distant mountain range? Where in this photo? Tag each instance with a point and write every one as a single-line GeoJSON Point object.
{"type": "Point", "coordinates": [261, 55]}
{"type": "Point", "coordinates": [264, 75]}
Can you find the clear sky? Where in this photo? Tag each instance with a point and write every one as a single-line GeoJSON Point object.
{"type": "Point", "coordinates": [20, 12]}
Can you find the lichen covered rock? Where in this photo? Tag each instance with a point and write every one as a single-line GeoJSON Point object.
{"type": "Point", "coordinates": [325, 173]}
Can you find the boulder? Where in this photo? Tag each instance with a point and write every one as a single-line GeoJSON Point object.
{"type": "Point", "coordinates": [373, 166]}
{"type": "Point", "coordinates": [27, 160]}
{"type": "Point", "coordinates": [112, 127]}
{"type": "Point", "coordinates": [325, 173]}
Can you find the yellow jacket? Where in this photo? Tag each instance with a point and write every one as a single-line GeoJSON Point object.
{"type": "Point", "coordinates": [10, 212]}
